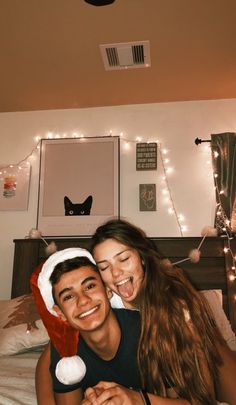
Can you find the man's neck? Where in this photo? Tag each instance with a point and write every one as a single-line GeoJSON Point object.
{"type": "Point", "coordinates": [106, 339]}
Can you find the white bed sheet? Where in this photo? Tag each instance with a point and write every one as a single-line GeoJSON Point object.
{"type": "Point", "coordinates": [17, 373]}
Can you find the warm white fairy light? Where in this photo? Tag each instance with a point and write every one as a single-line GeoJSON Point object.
{"type": "Point", "coordinates": [224, 223]}
{"type": "Point", "coordinates": [167, 171]}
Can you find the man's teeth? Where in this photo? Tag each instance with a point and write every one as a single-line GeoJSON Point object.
{"type": "Point", "coordinates": [123, 281]}
{"type": "Point", "coordinates": [88, 312]}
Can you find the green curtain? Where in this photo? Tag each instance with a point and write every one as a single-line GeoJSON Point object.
{"type": "Point", "coordinates": [224, 165]}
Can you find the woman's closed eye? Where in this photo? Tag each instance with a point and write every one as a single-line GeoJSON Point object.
{"type": "Point", "coordinates": [124, 259]}
{"type": "Point", "coordinates": [102, 268]}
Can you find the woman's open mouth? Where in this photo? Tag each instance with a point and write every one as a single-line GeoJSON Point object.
{"type": "Point", "coordinates": [125, 287]}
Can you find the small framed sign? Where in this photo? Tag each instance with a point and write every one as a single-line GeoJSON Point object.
{"type": "Point", "coordinates": [147, 197]}
{"type": "Point", "coordinates": [146, 156]}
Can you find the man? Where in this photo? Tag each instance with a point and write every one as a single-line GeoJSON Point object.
{"type": "Point", "coordinates": [108, 338]}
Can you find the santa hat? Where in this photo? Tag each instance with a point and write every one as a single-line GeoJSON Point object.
{"type": "Point", "coordinates": [71, 368]}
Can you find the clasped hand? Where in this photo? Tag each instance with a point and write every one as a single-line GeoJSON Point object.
{"type": "Point", "coordinates": [109, 393]}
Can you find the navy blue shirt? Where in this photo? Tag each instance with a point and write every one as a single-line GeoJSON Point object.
{"type": "Point", "coordinates": [122, 369]}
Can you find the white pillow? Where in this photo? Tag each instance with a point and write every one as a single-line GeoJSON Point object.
{"type": "Point", "coordinates": [20, 325]}
{"type": "Point", "coordinates": [214, 298]}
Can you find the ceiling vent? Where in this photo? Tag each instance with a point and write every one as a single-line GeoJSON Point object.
{"type": "Point", "coordinates": [128, 55]}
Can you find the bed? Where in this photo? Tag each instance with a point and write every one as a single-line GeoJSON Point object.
{"type": "Point", "coordinates": [22, 341]}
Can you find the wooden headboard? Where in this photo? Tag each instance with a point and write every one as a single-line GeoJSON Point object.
{"type": "Point", "coordinates": [211, 272]}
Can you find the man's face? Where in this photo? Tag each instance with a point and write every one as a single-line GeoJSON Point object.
{"type": "Point", "coordinates": [82, 299]}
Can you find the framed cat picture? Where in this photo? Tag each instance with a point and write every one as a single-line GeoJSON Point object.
{"type": "Point", "coordinates": [78, 185]}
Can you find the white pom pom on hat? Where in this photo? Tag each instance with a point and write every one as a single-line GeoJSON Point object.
{"type": "Point", "coordinates": [69, 370]}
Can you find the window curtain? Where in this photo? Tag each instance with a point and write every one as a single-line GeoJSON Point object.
{"type": "Point", "coordinates": [223, 148]}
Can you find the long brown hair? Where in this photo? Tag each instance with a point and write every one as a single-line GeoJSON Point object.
{"type": "Point", "coordinates": [171, 349]}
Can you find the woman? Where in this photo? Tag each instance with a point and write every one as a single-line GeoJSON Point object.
{"type": "Point", "coordinates": [178, 338]}
{"type": "Point", "coordinates": [177, 342]}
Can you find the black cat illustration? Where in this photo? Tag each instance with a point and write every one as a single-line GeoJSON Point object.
{"type": "Point", "coordinates": [78, 209]}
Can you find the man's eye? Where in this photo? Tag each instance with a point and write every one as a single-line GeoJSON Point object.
{"type": "Point", "coordinates": [90, 286]}
{"type": "Point", "coordinates": [68, 297]}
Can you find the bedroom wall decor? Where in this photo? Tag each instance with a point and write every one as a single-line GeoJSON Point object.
{"type": "Point", "coordinates": [14, 187]}
{"type": "Point", "coordinates": [146, 156]}
{"type": "Point", "coordinates": [147, 197]}
{"type": "Point", "coordinates": [79, 185]}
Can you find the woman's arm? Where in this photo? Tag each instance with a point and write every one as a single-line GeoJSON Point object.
{"type": "Point", "coordinates": [226, 391]}
{"type": "Point", "coordinates": [43, 380]}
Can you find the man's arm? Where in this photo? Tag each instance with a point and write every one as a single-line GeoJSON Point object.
{"type": "Point", "coordinates": [69, 398]}
{"type": "Point", "coordinates": [43, 379]}
{"type": "Point", "coordinates": [43, 384]}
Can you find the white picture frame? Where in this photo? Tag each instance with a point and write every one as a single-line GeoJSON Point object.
{"type": "Point", "coordinates": [77, 168]}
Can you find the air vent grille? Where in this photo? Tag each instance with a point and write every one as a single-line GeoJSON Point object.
{"type": "Point", "coordinates": [138, 54]}
{"type": "Point", "coordinates": [126, 55]}
{"type": "Point", "coordinates": [112, 56]}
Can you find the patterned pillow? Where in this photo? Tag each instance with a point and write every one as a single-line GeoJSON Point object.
{"type": "Point", "coordinates": [21, 328]}
{"type": "Point", "coordinates": [214, 298]}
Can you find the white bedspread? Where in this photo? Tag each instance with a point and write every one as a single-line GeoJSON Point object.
{"type": "Point", "coordinates": [17, 379]}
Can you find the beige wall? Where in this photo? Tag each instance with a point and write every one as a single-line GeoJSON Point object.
{"type": "Point", "coordinates": [175, 125]}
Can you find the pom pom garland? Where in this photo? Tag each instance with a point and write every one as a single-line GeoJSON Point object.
{"type": "Point", "coordinates": [209, 231]}
{"type": "Point", "coordinates": [37, 234]}
{"type": "Point", "coordinates": [51, 248]}
{"type": "Point", "coordinates": [194, 255]}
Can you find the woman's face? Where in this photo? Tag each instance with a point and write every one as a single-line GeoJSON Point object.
{"type": "Point", "coordinates": [120, 268]}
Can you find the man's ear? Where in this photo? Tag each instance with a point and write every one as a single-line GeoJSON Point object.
{"type": "Point", "coordinates": [59, 312]}
{"type": "Point", "coordinates": [109, 293]}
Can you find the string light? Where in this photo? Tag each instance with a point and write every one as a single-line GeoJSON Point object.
{"type": "Point", "coordinates": [223, 222]}
{"type": "Point", "coordinates": [167, 170]}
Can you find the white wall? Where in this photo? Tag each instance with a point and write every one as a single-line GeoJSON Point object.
{"type": "Point", "coordinates": [175, 125]}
